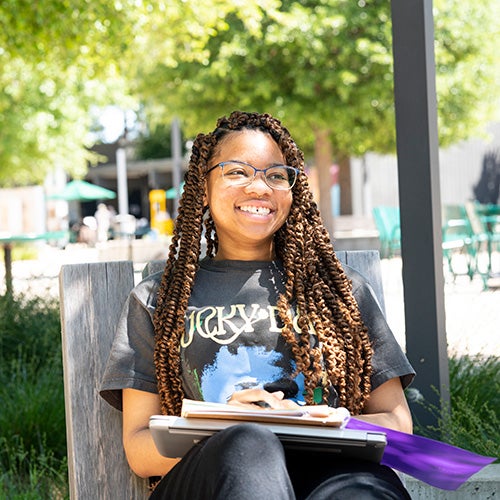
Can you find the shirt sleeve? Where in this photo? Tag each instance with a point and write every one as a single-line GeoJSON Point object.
{"type": "Point", "coordinates": [130, 364]}
{"type": "Point", "coordinates": [388, 360]}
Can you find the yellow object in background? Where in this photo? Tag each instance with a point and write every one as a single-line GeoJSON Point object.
{"type": "Point", "coordinates": [160, 218]}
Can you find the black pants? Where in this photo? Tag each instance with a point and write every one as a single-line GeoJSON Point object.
{"type": "Point", "coordinates": [247, 462]}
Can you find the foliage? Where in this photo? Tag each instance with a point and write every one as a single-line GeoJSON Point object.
{"type": "Point", "coordinates": [31, 474]}
{"type": "Point", "coordinates": [473, 420]}
{"type": "Point", "coordinates": [155, 144]}
{"type": "Point", "coordinates": [316, 64]}
{"type": "Point", "coordinates": [313, 65]}
{"type": "Point", "coordinates": [33, 444]}
{"type": "Point", "coordinates": [57, 59]}
{"type": "Point", "coordinates": [327, 65]}
{"type": "Point", "coordinates": [61, 57]}
{"type": "Point", "coordinates": [467, 67]}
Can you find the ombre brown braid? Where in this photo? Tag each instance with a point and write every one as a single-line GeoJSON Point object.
{"type": "Point", "coordinates": [314, 280]}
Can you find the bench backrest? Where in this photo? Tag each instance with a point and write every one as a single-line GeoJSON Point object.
{"type": "Point", "coordinates": [92, 297]}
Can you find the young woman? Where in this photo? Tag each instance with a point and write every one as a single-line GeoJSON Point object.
{"type": "Point", "coordinates": [268, 314]}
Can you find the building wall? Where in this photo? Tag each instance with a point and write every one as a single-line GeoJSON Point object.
{"type": "Point", "coordinates": [460, 170]}
{"type": "Point", "coordinates": [22, 210]}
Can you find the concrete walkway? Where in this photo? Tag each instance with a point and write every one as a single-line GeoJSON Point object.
{"type": "Point", "coordinates": [472, 313]}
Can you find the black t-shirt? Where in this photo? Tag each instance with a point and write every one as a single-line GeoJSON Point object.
{"type": "Point", "coordinates": [232, 338]}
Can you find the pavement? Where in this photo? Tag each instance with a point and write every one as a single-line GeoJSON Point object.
{"type": "Point", "coordinates": [472, 313]}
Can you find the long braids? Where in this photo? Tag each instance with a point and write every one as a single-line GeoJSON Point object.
{"type": "Point", "coordinates": [314, 281]}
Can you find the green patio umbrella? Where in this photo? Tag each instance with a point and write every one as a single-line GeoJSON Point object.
{"type": "Point", "coordinates": [83, 191]}
{"type": "Point", "coordinates": [171, 193]}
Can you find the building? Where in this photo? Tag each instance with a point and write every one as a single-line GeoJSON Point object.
{"type": "Point", "coordinates": [142, 177]}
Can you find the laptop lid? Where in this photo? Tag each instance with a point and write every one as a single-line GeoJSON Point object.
{"type": "Point", "coordinates": [174, 436]}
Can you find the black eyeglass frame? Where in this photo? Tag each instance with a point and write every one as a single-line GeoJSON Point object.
{"type": "Point", "coordinates": [255, 171]}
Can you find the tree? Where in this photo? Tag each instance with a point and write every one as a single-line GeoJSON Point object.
{"type": "Point", "coordinates": [325, 68]}
{"type": "Point", "coordinates": [57, 60]}
{"type": "Point", "coordinates": [60, 58]}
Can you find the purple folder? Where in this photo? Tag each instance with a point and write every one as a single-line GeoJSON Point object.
{"type": "Point", "coordinates": [438, 464]}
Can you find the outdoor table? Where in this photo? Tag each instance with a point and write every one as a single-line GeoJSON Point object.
{"type": "Point", "coordinates": [8, 241]}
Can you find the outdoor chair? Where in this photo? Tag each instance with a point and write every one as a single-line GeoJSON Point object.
{"type": "Point", "coordinates": [92, 297]}
{"type": "Point", "coordinates": [458, 237]}
{"type": "Point", "coordinates": [389, 229]}
{"type": "Point", "coordinates": [485, 225]}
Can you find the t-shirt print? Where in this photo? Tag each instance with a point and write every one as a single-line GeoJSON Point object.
{"type": "Point", "coordinates": [234, 347]}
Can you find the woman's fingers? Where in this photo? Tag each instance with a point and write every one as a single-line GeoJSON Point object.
{"type": "Point", "coordinates": [262, 398]}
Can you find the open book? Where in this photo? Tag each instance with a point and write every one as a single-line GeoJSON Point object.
{"type": "Point", "coordinates": [307, 415]}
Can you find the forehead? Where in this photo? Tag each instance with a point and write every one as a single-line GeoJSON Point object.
{"type": "Point", "coordinates": [250, 146]}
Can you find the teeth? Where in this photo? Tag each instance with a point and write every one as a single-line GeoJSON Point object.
{"type": "Point", "coordinates": [255, 210]}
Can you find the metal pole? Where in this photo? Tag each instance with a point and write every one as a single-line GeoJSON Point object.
{"type": "Point", "coordinates": [420, 203]}
{"type": "Point", "coordinates": [177, 163]}
{"type": "Point", "coordinates": [121, 175]}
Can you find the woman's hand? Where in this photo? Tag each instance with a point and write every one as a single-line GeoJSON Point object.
{"type": "Point", "coordinates": [253, 398]}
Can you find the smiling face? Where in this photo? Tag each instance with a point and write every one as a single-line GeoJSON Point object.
{"type": "Point", "coordinates": [246, 217]}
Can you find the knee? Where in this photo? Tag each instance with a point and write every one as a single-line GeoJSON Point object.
{"type": "Point", "coordinates": [251, 435]}
{"type": "Point", "coordinates": [250, 440]}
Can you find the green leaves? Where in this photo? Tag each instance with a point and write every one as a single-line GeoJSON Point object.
{"type": "Point", "coordinates": [316, 64]}
{"type": "Point", "coordinates": [58, 58]}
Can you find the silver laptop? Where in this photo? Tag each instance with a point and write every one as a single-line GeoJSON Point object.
{"type": "Point", "coordinates": [174, 436]}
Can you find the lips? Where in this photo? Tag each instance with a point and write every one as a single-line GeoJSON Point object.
{"type": "Point", "coordinates": [255, 210]}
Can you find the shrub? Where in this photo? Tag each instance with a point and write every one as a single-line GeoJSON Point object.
{"type": "Point", "coordinates": [33, 442]}
{"type": "Point", "coordinates": [473, 420]}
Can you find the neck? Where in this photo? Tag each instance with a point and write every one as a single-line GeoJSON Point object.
{"type": "Point", "coordinates": [264, 254]}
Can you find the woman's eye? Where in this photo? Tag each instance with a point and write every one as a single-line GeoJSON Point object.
{"type": "Point", "coordinates": [278, 176]}
{"type": "Point", "coordinates": [236, 172]}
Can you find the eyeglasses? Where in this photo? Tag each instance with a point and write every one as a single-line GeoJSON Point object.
{"type": "Point", "coordinates": [239, 173]}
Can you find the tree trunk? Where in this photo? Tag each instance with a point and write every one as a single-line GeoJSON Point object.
{"type": "Point", "coordinates": [323, 157]}
{"type": "Point", "coordinates": [345, 185]}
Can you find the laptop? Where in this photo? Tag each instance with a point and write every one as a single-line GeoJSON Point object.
{"type": "Point", "coordinates": [174, 436]}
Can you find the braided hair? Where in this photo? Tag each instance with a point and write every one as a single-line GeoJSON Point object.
{"type": "Point", "coordinates": [314, 280]}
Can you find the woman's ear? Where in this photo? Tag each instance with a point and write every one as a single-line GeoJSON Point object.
{"type": "Point", "coordinates": [205, 196]}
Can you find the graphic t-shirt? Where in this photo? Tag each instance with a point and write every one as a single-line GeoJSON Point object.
{"type": "Point", "coordinates": [232, 339]}
{"type": "Point", "coordinates": [233, 333]}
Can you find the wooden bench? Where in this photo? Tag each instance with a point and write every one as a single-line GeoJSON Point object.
{"type": "Point", "coordinates": [92, 297]}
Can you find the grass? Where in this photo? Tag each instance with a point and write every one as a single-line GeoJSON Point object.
{"type": "Point", "coordinates": [22, 251]}
{"type": "Point", "coordinates": [473, 419]}
{"type": "Point", "coordinates": [33, 440]}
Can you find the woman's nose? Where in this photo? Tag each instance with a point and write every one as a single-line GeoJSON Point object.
{"type": "Point", "coordinates": [258, 184]}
